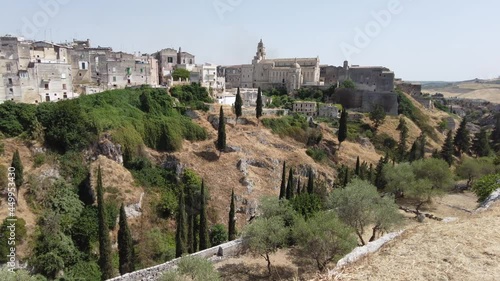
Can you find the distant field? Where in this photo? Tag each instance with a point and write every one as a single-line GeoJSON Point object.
{"type": "Point", "coordinates": [489, 91]}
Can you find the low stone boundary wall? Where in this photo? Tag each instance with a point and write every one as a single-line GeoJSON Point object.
{"type": "Point", "coordinates": [231, 248]}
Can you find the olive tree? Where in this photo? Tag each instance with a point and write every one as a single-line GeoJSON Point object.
{"type": "Point", "coordinates": [359, 205]}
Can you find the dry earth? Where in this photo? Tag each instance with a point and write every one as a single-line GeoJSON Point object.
{"type": "Point", "coordinates": [489, 92]}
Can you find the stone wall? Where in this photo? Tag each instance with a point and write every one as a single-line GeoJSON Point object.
{"type": "Point", "coordinates": [154, 273]}
{"type": "Point", "coordinates": [365, 101]}
{"type": "Point", "coordinates": [409, 88]}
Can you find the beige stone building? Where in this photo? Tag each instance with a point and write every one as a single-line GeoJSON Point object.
{"type": "Point", "coordinates": [292, 73]}
{"type": "Point", "coordinates": [308, 108]}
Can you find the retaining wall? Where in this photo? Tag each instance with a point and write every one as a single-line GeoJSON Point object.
{"type": "Point", "coordinates": [228, 249]}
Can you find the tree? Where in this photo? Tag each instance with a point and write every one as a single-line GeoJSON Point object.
{"type": "Point", "coordinates": [462, 138]}
{"type": "Point", "coordinates": [403, 135]}
{"type": "Point", "coordinates": [495, 134]}
{"type": "Point", "coordinates": [447, 149]}
{"type": "Point", "coordinates": [105, 258]}
{"type": "Point", "coordinates": [422, 142]}
{"type": "Point", "coordinates": [377, 115]}
{"type": "Point", "coordinates": [221, 132]}
{"type": "Point", "coordinates": [203, 220]}
{"type": "Point", "coordinates": [357, 171]}
{"type": "Point", "coordinates": [181, 73]}
{"type": "Point", "coordinates": [379, 181]}
{"type": "Point", "coordinates": [481, 145]}
{"type": "Point", "coordinates": [238, 105]}
{"type": "Point", "coordinates": [264, 236]}
{"type": "Point", "coordinates": [289, 186]}
{"type": "Point", "coordinates": [258, 109]}
{"type": "Point", "coordinates": [125, 245]}
{"type": "Point", "coordinates": [232, 222]}
{"type": "Point", "coordinates": [359, 205]}
{"type": "Point", "coordinates": [191, 216]}
{"type": "Point", "coordinates": [486, 185]}
{"type": "Point", "coordinates": [342, 132]}
{"type": "Point", "coordinates": [283, 183]}
{"type": "Point", "coordinates": [348, 84]}
{"type": "Point", "coordinates": [192, 268]}
{"type": "Point", "coordinates": [472, 169]}
{"type": "Point", "coordinates": [18, 170]}
{"type": "Point", "coordinates": [324, 238]}
{"type": "Point", "coordinates": [218, 235]}
{"type": "Point", "coordinates": [180, 233]}
{"type": "Point", "coordinates": [310, 181]}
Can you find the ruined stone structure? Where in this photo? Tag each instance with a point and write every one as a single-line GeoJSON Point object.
{"type": "Point", "coordinates": [328, 111]}
{"type": "Point", "coordinates": [308, 108]}
{"type": "Point", "coordinates": [365, 101]}
{"type": "Point", "coordinates": [409, 88]}
{"type": "Point", "coordinates": [291, 73]}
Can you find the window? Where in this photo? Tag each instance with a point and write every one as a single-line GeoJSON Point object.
{"type": "Point", "coordinates": [46, 87]}
{"type": "Point", "coordinates": [170, 59]}
{"type": "Point", "coordinates": [9, 67]}
{"type": "Point", "coordinates": [11, 91]}
{"type": "Point", "coordinates": [84, 65]}
{"type": "Point", "coordinates": [47, 97]}
{"type": "Point", "coordinates": [63, 75]}
{"type": "Point", "coordinates": [128, 81]}
{"type": "Point", "coordinates": [114, 69]}
{"type": "Point", "coordinates": [191, 61]}
{"type": "Point", "coordinates": [10, 81]}
{"type": "Point", "coordinates": [65, 95]}
{"type": "Point", "coordinates": [64, 86]}
{"type": "Point", "coordinates": [114, 78]}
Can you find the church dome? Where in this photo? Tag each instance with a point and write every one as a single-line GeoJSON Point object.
{"type": "Point", "coordinates": [296, 65]}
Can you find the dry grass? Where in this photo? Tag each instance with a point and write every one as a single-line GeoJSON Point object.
{"type": "Point", "coordinates": [467, 249]}
{"type": "Point", "coordinates": [489, 92]}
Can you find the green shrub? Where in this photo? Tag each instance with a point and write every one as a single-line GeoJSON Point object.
{"type": "Point", "coordinates": [407, 108]}
{"type": "Point", "coordinates": [38, 160]}
{"type": "Point", "coordinates": [20, 231]}
{"type": "Point", "coordinates": [485, 186]}
{"type": "Point", "coordinates": [318, 154]}
{"type": "Point", "coordinates": [84, 271]}
{"type": "Point", "coordinates": [218, 234]}
{"type": "Point", "coordinates": [112, 211]}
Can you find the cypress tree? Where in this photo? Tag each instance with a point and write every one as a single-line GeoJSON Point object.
{"type": "Point", "coordinates": [403, 135]}
{"type": "Point", "coordinates": [342, 132]}
{"type": "Point", "coordinates": [421, 145]}
{"type": "Point", "coordinates": [238, 105]}
{"type": "Point", "coordinates": [495, 134]}
{"type": "Point", "coordinates": [203, 220]}
{"type": "Point", "coordinates": [18, 166]}
{"type": "Point", "coordinates": [481, 145]}
{"type": "Point", "coordinates": [310, 182]}
{"type": "Point", "coordinates": [125, 244]}
{"type": "Point", "coordinates": [221, 132]}
{"type": "Point", "coordinates": [370, 173]}
{"type": "Point", "coordinates": [346, 177]}
{"type": "Point", "coordinates": [462, 138]}
{"type": "Point", "coordinates": [258, 109]}
{"type": "Point", "coordinates": [180, 232]}
{"type": "Point", "coordinates": [447, 149]}
{"type": "Point", "coordinates": [413, 155]}
{"type": "Point", "coordinates": [283, 183]}
{"type": "Point", "coordinates": [104, 242]}
{"type": "Point", "coordinates": [379, 181]}
{"type": "Point", "coordinates": [298, 186]}
{"type": "Point", "coordinates": [190, 221]}
{"type": "Point", "coordinates": [289, 187]}
{"type": "Point", "coordinates": [232, 222]}
{"type": "Point", "coordinates": [358, 167]}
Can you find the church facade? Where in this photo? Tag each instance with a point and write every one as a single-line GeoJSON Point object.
{"type": "Point", "coordinates": [291, 73]}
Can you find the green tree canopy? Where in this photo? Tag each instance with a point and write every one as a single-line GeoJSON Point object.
{"type": "Point", "coordinates": [181, 73]}
{"type": "Point", "coordinates": [377, 115]}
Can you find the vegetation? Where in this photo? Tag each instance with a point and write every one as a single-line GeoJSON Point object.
{"type": "Point", "coordinates": [125, 245]}
{"type": "Point", "coordinates": [486, 185]}
{"type": "Point", "coordinates": [193, 96]}
{"type": "Point", "coordinates": [474, 168]}
{"type": "Point", "coordinates": [192, 268]}
{"type": "Point", "coordinates": [408, 109]}
{"type": "Point", "coordinates": [258, 108]}
{"type": "Point", "coordinates": [296, 127]}
{"type": "Point", "coordinates": [377, 115]}
{"type": "Point", "coordinates": [217, 235]}
{"type": "Point", "coordinates": [348, 84]}
{"type": "Point", "coordinates": [481, 145]}
{"type": "Point", "coordinates": [283, 182]}
{"type": "Point", "coordinates": [180, 233]}
{"type": "Point", "coordinates": [181, 73]}
{"type": "Point", "coordinates": [462, 138]}
{"type": "Point", "coordinates": [318, 154]}
{"type": "Point", "coordinates": [232, 221]}
{"type": "Point", "coordinates": [5, 231]}
{"type": "Point", "coordinates": [238, 105]}
{"type": "Point", "coordinates": [221, 132]}
{"type": "Point", "coordinates": [447, 149]}
{"type": "Point", "coordinates": [104, 240]}
{"type": "Point", "coordinates": [403, 135]}
{"type": "Point", "coordinates": [18, 170]}
{"type": "Point", "coordinates": [342, 132]}
{"type": "Point", "coordinates": [203, 235]}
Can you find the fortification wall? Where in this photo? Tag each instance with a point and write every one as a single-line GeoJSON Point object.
{"type": "Point", "coordinates": [365, 101]}
{"type": "Point", "coordinates": [228, 249]}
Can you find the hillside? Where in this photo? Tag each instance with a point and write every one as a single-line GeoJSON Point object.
{"type": "Point", "coordinates": [486, 90]}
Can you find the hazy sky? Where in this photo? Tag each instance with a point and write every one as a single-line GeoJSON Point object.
{"type": "Point", "coordinates": [418, 39]}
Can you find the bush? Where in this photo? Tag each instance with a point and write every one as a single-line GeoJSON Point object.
{"type": "Point", "coordinates": [38, 160]}
{"type": "Point", "coordinates": [84, 271]}
{"type": "Point", "coordinates": [318, 154]}
{"type": "Point", "coordinates": [20, 231]}
{"type": "Point", "coordinates": [295, 127]}
{"type": "Point", "coordinates": [218, 234]}
{"type": "Point", "coordinates": [193, 268]}
{"type": "Point", "coordinates": [485, 186]}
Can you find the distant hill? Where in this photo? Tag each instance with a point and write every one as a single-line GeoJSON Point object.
{"type": "Point", "coordinates": [472, 89]}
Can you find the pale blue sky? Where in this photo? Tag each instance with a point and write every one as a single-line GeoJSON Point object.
{"type": "Point", "coordinates": [424, 39]}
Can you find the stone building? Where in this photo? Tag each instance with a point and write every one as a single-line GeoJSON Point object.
{"type": "Point", "coordinates": [249, 96]}
{"type": "Point", "coordinates": [328, 111]}
{"type": "Point", "coordinates": [33, 72]}
{"type": "Point", "coordinates": [169, 59]}
{"type": "Point", "coordinates": [367, 78]}
{"type": "Point", "coordinates": [206, 75]}
{"type": "Point", "coordinates": [265, 73]}
{"type": "Point", "coordinates": [308, 108]}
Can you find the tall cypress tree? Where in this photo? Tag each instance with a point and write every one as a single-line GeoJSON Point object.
{"type": "Point", "coordinates": [125, 245]}
{"type": "Point", "coordinates": [379, 181]}
{"type": "Point", "coordinates": [232, 223]}
{"type": "Point", "coordinates": [413, 155]}
{"type": "Point", "coordinates": [203, 219]}
{"type": "Point", "coordinates": [104, 242]}
{"type": "Point", "coordinates": [346, 177]}
{"type": "Point", "coordinates": [238, 104]}
{"type": "Point", "coordinates": [422, 142]}
{"type": "Point", "coordinates": [19, 170]}
{"type": "Point", "coordinates": [481, 145]}
{"type": "Point", "coordinates": [221, 132]}
{"type": "Point", "coordinates": [462, 138]}
{"type": "Point", "coordinates": [370, 173]}
{"type": "Point", "coordinates": [298, 186]}
{"type": "Point", "coordinates": [342, 132]}
{"type": "Point", "coordinates": [447, 149]}
{"type": "Point", "coordinates": [403, 135]}
{"type": "Point", "coordinates": [191, 247]}
{"type": "Point", "coordinates": [283, 182]}
{"type": "Point", "coordinates": [289, 186]}
{"type": "Point", "coordinates": [180, 232]}
{"type": "Point", "coordinates": [358, 167]}
{"type": "Point", "coordinates": [258, 109]}
{"type": "Point", "coordinates": [310, 182]}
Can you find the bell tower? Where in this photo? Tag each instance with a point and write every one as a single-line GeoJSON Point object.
{"type": "Point", "coordinates": [261, 53]}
